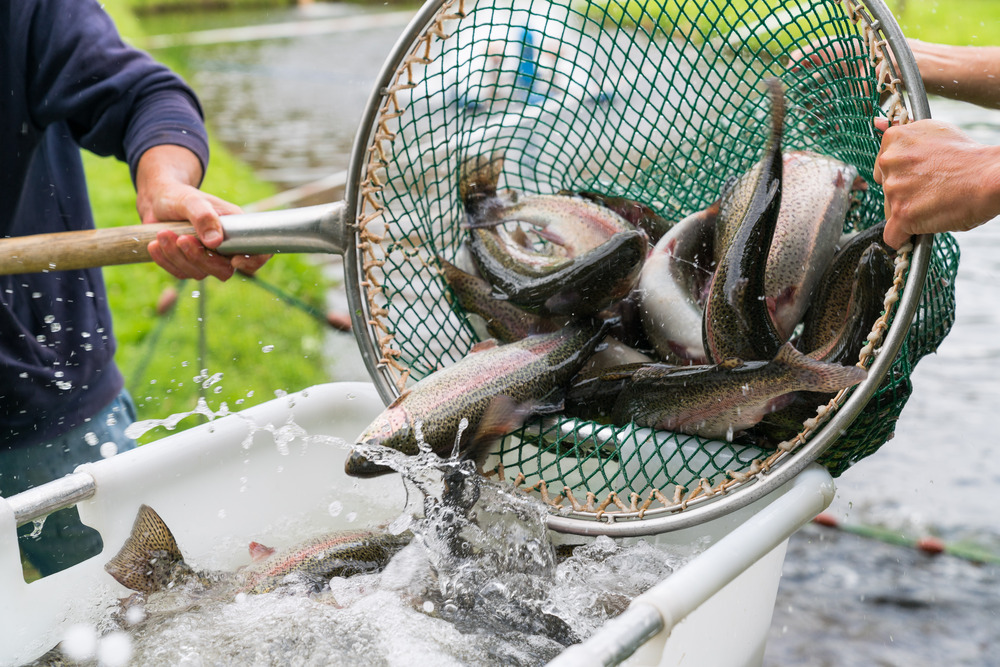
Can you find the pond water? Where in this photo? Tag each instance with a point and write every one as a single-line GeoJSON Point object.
{"type": "Point", "coordinates": [291, 107]}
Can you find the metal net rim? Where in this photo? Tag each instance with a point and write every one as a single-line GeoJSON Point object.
{"type": "Point", "coordinates": [871, 18]}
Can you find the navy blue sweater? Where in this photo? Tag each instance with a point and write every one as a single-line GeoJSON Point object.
{"type": "Point", "coordinates": [68, 81]}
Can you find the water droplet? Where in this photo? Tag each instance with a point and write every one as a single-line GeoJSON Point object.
{"type": "Point", "coordinates": [135, 614]}
{"type": "Point", "coordinates": [195, 294]}
{"type": "Point", "coordinates": [54, 327]}
{"type": "Point", "coordinates": [222, 514]}
{"type": "Point", "coordinates": [428, 607]}
{"type": "Point", "coordinates": [49, 319]}
{"type": "Point", "coordinates": [114, 649]}
{"type": "Point", "coordinates": [90, 439]}
{"type": "Point", "coordinates": [79, 642]}
{"type": "Point", "coordinates": [64, 385]}
{"type": "Point", "coordinates": [352, 517]}
{"type": "Point", "coordinates": [36, 527]}
{"type": "Point", "coordinates": [267, 348]}
{"type": "Point", "coordinates": [109, 449]}
{"type": "Point", "coordinates": [335, 508]}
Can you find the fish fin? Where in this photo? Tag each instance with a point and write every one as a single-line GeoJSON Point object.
{"type": "Point", "coordinates": [399, 399]}
{"type": "Point", "coordinates": [551, 236]}
{"type": "Point", "coordinates": [149, 554]}
{"type": "Point", "coordinates": [259, 552]}
{"type": "Point", "coordinates": [502, 416]}
{"type": "Point", "coordinates": [483, 345]}
{"type": "Point", "coordinates": [477, 187]}
{"type": "Point", "coordinates": [819, 376]}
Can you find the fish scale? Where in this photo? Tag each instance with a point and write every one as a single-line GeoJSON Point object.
{"type": "Point", "coordinates": [150, 559]}
{"type": "Point", "coordinates": [493, 389]}
{"type": "Point", "coordinates": [737, 321]}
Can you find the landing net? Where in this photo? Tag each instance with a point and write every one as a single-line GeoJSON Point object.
{"type": "Point", "coordinates": [656, 102]}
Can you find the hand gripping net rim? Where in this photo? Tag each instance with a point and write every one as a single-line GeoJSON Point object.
{"type": "Point", "coordinates": [407, 210]}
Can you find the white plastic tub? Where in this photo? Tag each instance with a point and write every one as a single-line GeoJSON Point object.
{"type": "Point", "coordinates": [251, 477]}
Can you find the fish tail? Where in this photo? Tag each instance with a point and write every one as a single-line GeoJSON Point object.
{"type": "Point", "coordinates": [477, 183]}
{"type": "Point", "coordinates": [776, 91]}
{"type": "Point", "coordinates": [819, 376]}
{"type": "Point", "coordinates": [149, 553]}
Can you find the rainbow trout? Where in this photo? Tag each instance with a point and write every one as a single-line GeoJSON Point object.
{"type": "Point", "coordinates": [838, 322]}
{"type": "Point", "coordinates": [737, 320]}
{"type": "Point", "coordinates": [672, 288]}
{"type": "Point", "coordinates": [849, 299]}
{"type": "Point", "coordinates": [636, 213]}
{"type": "Point", "coordinates": [586, 255]}
{"type": "Point", "coordinates": [485, 395]}
{"type": "Point", "coordinates": [150, 559]}
{"type": "Point", "coordinates": [716, 401]}
{"type": "Point", "coordinates": [504, 321]}
{"type": "Point", "coordinates": [815, 197]}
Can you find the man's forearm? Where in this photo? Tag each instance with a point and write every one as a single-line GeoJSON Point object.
{"type": "Point", "coordinates": [967, 73]}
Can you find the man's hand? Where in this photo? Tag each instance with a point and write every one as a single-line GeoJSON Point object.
{"type": "Point", "coordinates": [166, 190]}
{"type": "Point", "coordinates": [935, 179]}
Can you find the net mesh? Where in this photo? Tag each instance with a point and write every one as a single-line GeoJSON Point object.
{"type": "Point", "coordinates": [656, 102]}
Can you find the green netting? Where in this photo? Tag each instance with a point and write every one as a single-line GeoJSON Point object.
{"type": "Point", "coordinates": [660, 103]}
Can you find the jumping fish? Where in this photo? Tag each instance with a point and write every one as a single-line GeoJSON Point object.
{"type": "Point", "coordinates": [485, 395]}
{"type": "Point", "coordinates": [150, 559]}
{"type": "Point", "coordinates": [672, 288]}
{"type": "Point", "coordinates": [586, 257]}
{"type": "Point", "coordinates": [716, 401]}
{"type": "Point", "coordinates": [737, 321]}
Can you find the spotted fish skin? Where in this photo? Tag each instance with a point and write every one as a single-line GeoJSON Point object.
{"type": "Point", "coordinates": [150, 559]}
{"type": "Point", "coordinates": [850, 298]}
{"type": "Point", "coordinates": [815, 197]}
{"type": "Point", "coordinates": [493, 390]}
{"type": "Point", "coordinates": [711, 401]}
{"type": "Point", "coordinates": [591, 256]}
{"type": "Point", "coordinates": [504, 321]}
{"type": "Point", "coordinates": [636, 213]}
{"type": "Point", "coordinates": [737, 321]}
{"type": "Point", "coordinates": [334, 555]}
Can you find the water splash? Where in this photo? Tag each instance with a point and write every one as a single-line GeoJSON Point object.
{"type": "Point", "coordinates": [139, 428]}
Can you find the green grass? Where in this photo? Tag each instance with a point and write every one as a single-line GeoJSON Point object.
{"type": "Point", "coordinates": [240, 320]}
{"type": "Point", "coordinates": [970, 22]}
{"type": "Point", "coordinates": [965, 23]}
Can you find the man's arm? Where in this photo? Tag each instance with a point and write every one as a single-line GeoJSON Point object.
{"type": "Point", "coordinates": [166, 183]}
{"type": "Point", "coordinates": [966, 73]}
{"type": "Point", "coordinates": [935, 179]}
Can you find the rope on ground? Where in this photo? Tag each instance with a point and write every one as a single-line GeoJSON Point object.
{"type": "Point", "coordinates": [928, 544]}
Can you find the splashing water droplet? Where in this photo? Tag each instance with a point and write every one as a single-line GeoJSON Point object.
{"type": "Point", "coordinates": [335, 508]}
{"type": "Point", "coordinates": [79, 642]}
{"type": "Point", "coordinates": [36, 528]}
{"type": "Point", "coordinates": [114, 649]}
{"type": "Point", "coordinates": [267, 348]}
{"type": "Point", "coordinates": [109, 449]}
{"type": "Point", "coordinates": [90, 439]}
